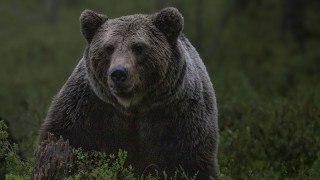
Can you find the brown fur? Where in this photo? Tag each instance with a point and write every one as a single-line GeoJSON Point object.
{"type": "Point", "coordinates": [168, 115]}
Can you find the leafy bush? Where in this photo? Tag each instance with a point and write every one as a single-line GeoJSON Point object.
{"type": "Point", "coordinates": [11, 163]}
{"type": "Point", "coordinates": [85, 165]}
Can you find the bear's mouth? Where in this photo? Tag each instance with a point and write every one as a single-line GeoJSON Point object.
{"type": "Point", "coordinates": [122, 92]}
{"type": "Point", "coordinates": [128, 99]}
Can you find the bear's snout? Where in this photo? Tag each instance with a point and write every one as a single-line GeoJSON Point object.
{"type": "Point", "coordinates": [119, 81]}
{"type": "Point", "coordinates": [118, 75]}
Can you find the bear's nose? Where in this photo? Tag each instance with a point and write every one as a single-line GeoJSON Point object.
{"type": "Point", "coordinates": [118, 74]}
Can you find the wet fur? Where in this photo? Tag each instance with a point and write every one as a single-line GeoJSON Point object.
{"type": "Point", "coordinates": [173, 123]}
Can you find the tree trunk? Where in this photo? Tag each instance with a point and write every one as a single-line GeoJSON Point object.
{"type": "Point", "coordinates": [293, 21]}
{"type": "Point", "coordinates": [52, 10]}
{"type": "Point", "coordinates": [199, 23]}
{"type": "Point", "coordinates": [219, 29]}
{"type": "Point", "coordinates": [51, 159]}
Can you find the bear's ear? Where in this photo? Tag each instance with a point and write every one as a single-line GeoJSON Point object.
{"type": "Point", "coordinates": [90, 21]}
{"type": "Point", "coordinates": [170, 22]}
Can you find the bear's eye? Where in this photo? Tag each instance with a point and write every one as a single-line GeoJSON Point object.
{"type": "Point", "coordinates": [109, 50]}
{"type": "Point", "coordinates": [137, 49]}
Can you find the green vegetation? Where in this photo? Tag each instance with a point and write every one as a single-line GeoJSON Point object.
{"type": "Point", "coordinates": [268, 91]}
{"type": "Point", "coordinates": [84, 165]}
{"type": "Point", "coordinates": [10, 161]}
{"type": "Point", "coordinates": [97, 165]}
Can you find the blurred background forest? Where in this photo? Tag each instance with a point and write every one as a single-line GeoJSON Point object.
{"type": "Point", "coordinates": [263, 57]}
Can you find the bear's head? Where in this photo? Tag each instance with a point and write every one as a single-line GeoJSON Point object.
{"type": "Point", "coordinates": [133, 61]}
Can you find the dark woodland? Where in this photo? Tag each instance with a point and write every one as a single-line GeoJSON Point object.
{"type": "Point", "coordinates": [263, 58]}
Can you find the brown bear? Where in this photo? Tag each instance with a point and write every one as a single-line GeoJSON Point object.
{"type": "Point", "coordinates": [142, 87]}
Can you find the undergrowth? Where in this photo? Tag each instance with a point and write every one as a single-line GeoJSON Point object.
{"type": "Point", "coordinates": [85, 165]}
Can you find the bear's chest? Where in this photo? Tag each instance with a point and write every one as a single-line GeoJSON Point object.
{"type": "Point", "coordinates": [133, 134]}
{"type": "Point", "coordinates": [149, 139]}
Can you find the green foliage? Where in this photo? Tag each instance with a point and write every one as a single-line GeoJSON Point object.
{"type": "Point", "coordinates": [97, 165]}
{"type": "Point", "coordinates": [268, 98]}
{"type": "Point", "coordinates": [315, 169]}
{"type": "Point", "coordinates": [4, 144]}
{"type": "Point", "coordinates": [85, 165]}
{"type": "Point", "coordinates": [10, 162]}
